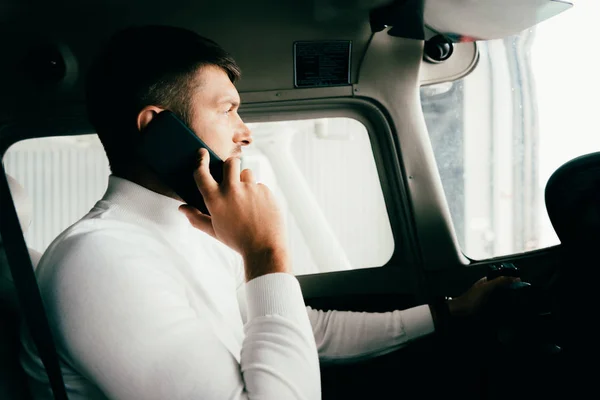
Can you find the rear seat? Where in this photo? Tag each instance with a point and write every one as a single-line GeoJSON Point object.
{"type": "Point", "coordinates": [13, 384]}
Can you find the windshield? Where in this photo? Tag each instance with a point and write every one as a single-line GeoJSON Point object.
{"type": "Point", "coordinates": [498, 134]}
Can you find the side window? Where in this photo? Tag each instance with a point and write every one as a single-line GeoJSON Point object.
{"type": "Point", "coordinates": [321, 171]}
{"type": "Point", "coordinates": [325, 176]}
{"type": "Point", "coordinates": [64, 176]}
{"type": "Point", "coordinates": [498, 134]}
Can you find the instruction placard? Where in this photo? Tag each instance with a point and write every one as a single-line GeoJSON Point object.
{"type": "Point", "coordinates": [322, 63]}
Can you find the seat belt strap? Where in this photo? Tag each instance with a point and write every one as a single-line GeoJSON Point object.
{"type": "Point", "coordinates": [28, 292]}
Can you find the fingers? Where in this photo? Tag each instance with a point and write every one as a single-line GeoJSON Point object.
{"type": "Point", "coordinates": [503, 281]}
{"type": "Point", "coordinates": [247, 176]}
{"type": "Point", "coordinates": [204, 180]}
{"type": "Point", "coordinates": [499, 281]}
{"type": "Point", "coordinates": [231, 171]}
{"type": "Point", "coordinates": [198, 220]}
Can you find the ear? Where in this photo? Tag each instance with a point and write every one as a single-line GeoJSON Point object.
{"type": "Point", "coordinates": [146, 115]}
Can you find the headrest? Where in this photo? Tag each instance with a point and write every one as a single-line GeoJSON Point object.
{"type": "Point", "coordinates": [573, 200]}
{"type": "Point", "coordinates": [22, 202]}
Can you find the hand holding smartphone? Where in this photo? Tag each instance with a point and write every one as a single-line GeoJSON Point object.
{"type": "Point", "coordinates": [171, 149]}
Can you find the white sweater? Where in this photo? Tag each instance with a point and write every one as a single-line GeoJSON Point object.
{"type": "Point", "coordinates": [144, 306]}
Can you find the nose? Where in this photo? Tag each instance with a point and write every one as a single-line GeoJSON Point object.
{"type": "Point", "coordinates": [243, 135]}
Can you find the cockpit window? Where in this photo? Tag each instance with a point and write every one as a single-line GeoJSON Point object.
{"type": "Point", "coordinates": [498, 134]}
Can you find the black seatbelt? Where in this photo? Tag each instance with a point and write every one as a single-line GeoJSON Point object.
{"type": "Point", "coordinates": [28, 292]}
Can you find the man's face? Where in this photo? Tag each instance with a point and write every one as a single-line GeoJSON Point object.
{"type": "Point", "coordinates": [214, 113]}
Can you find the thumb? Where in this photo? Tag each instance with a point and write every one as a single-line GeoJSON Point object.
{"type": "Point", "coordinates": [198, 220]}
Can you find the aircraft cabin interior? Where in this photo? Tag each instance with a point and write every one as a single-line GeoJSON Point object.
{"type": "Point", "coordinates": [414, 147]}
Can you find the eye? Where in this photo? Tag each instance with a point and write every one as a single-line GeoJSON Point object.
{"type": "Point", "coordinates": [228, 110]}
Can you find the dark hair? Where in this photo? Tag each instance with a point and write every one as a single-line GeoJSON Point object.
{"type": "Point", "coordinates": [141, 66]}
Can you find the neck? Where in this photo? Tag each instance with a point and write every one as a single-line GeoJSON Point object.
{"type": "Point", "coordinates": [143, 176]}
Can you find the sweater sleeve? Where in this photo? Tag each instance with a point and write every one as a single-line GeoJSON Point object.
{"type": "Point", "coordinates": [124, 321]}
{"type": "Point", "coordinates": [344, 336]}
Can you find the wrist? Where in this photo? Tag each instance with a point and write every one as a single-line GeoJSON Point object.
{"type": "Point", "coordinates": [265, 261]}
{"type": "Point", "coordinates": [456, 307]}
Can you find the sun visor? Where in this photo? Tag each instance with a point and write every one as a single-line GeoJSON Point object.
{"type": "Point", "coordinates": [463, 20]}
{"type": "Point", "coordinates": [471, 20]}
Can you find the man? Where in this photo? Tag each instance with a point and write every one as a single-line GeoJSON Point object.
{"type": "Point", "coordinates": [145, 295]}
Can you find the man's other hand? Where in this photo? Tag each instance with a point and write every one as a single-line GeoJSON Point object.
{"type": "Point", "coordinates": [475, 298]}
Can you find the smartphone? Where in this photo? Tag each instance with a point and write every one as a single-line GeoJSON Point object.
{"type": "Point", "coordinates": [171, 149]}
